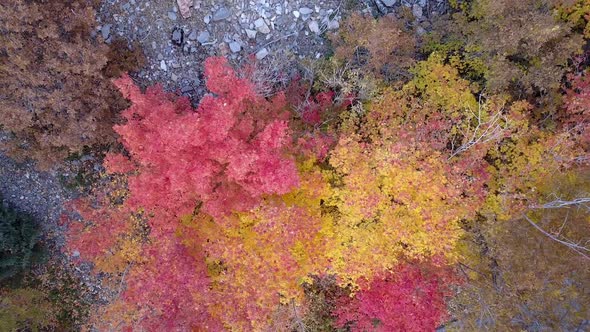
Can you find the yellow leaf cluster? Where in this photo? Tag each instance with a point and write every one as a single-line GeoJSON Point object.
{"type": "Point", "coordinates": [128, 249]}
{"type": "Point", "coordinates": [260, 258]}
{"type": "Point", "coordinates": [441, 85]}
{"type": "Point", "coordinates": [391, 205]}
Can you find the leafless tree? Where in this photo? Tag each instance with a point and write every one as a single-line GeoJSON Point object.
{"type": "Point", "coordinates": [484, 130]}
{"type": "Point", "coordinates": [581, 247]}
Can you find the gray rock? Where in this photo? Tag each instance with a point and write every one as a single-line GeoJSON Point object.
{"type": "Point", "coordinates": [251, 33]}
{"type": "Point", "coordinates": [203, 37]}
{"type": "Point", "coordinates": [235, 47]}
{"type": "Point", "coordinates": [193, 35]}
{"type": "Point", "coordinates": [221, 14]}
{"type": "Point", "coordinates": [207, 19]}
{"type": "Point", "coordinates": [389, 3]}
{"type": "Point", "coordinates": [417, 11]}
{"type": "Point", "coordinates": [186, 89]}
{"type": "Point", "coordinates": [174, 77]}
{"type": "Point", "coordinates": [381, 7]}
{"type": "Point", "coordinates": [305, 11]}
{"type": "Point", "coordinates": [296, 13]}
{"type": "Point", "coordinates": [261, 54]}
{"type": "Point", "coordinates": [163, 65]}
{"type": "Point", "coordinates": [314, 26]}
{"type": "Point", "coordinates": [106, 31]}
{"type": "Point", "coordinates": [177, 36]}
{"type": "Point", "coordinates": [333, 25]}
{"type": "Point", "coordinates": [172, 16]}
{"type": "Point", "coordinates": [261, 26]}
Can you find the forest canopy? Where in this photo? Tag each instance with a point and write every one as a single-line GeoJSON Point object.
{"type": "Point", "coordinates": [411, 179]}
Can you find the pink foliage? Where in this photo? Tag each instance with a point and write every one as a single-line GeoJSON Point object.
{"type": "Point", "coordinates": [408, 299]}
{"type": "Point", "coordinates": [316, 144]}
{"type": "Point", "coordinates": [577, 109]}
{"type": "Point", "coordinates": [322, 104]}
{"type": "Point", "coordinates": [101, 231]}
{"type": "Point", "coordinates": [230, 147]}
{"type": "Point", "coordinates": [169, 289]}
{"type": "Point", "coordinates": [224, 156]}
{"type": "Point", "coordinates": [118, 163]}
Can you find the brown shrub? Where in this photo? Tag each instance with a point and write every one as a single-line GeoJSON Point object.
{"type": "Point", "coordinates": [383, 46]}
{"type": "Point", "coordinates": [122, 59]}
{"type": "Point", "coordinates": [55, 96]}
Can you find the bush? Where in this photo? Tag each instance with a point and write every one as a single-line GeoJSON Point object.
{"type": "Point", "coordinates": [382, 46]}
{"type": "Point", "coordinates": [52, 298]}
{"type": "Point", "coordinates": [24, 308]}
{"type": "Point", "coordinates": [57, 97]}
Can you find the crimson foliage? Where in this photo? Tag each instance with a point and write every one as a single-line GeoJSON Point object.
{"type": "Point", "coordinates": [226, 154]}
{"type": "Point", "coordinates": [408, 299]}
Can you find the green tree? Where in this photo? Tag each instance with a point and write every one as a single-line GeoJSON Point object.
{"type": "Point", "coordinates": [20, 245]}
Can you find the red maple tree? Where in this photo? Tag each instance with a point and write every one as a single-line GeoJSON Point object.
{"type": "Point", "coordinates": [411, 298]}
{"type": "Point", "coordinates": [226, 154]}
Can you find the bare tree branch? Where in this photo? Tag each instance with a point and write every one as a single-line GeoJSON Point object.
{"type": "Point", "coordinates": [484, 131]}
{"type": "Point", "coordinates": [577, 248]}
{"type": "Point", "coordinates": [559, 203]}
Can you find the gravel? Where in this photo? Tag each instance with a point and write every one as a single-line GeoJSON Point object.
{"type": "Point", "coordinates": [237, 29]}
{"type": "Point", "coordinates": [40, 194]}
{"type": "Point", "coordinates": [235, 46]}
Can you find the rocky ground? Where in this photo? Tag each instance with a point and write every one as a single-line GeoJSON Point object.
{"type": "Point", "coordinates": [41, 194]}
{"type": "Point", "coordinates": [275, 32]}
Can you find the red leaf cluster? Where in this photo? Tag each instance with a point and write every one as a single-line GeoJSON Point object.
{"type": "Point", "coordinates": [577, 109]}
{"type": "Point", "coordinates": [408, 299]}
{"type": "Point", "coordinates": [165, 289]}
{"type": "Point", "coordinates": [223, 156]}
{"type": "Point", "coordinates": [226, 154]}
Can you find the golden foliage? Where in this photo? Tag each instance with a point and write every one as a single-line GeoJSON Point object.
{"type": "Point", "coordinates": [392, 204]}
{"type": "Point", "coordinates": [25, 308]}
